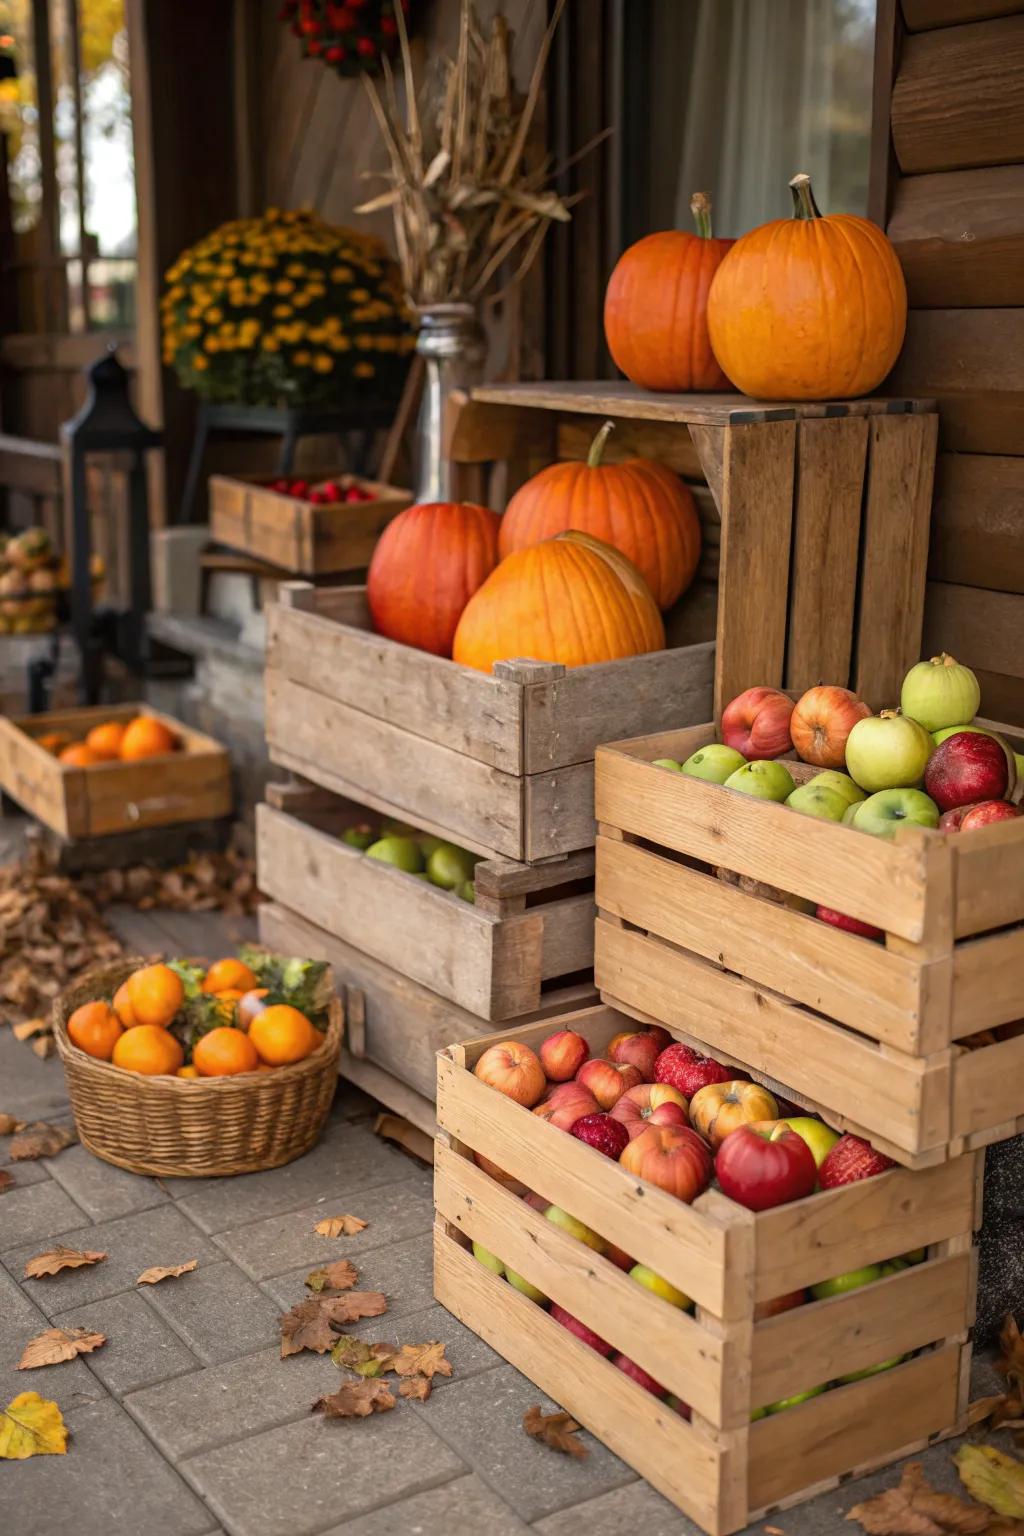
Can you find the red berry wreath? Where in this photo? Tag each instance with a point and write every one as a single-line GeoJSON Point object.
{"type": "Point", "coordinates": [351, 35]}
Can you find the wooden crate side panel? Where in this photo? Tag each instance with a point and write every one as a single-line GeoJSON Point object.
{"type": "Point", "coordinates": [978, 519]}
{"type": "Point", "coordinates": [681, 1462]}
{"type": "Point", "coordinates": [851, 1425]}
{"type": "Point", "coordinates": [567, 936]}
{"type": "Point", "coordinates": [959, 236]}
{"type": "Point", "coordinates": [958, 99]}
{"type": "Point", "coordinates": [687, 1357]}
{"type": "Point", "coordinates": [860, 983]}
{"type": "Point", "coordinates": [988, 1087]}
{"type": "Point", "coordinates": [189, 786]}
{"type": "Point", "coordinates": [985, 628]}
{"type": "Point", "coordinates": [820, 1342]}
{"type": "Point", "coordinates": [668, 442]}
{"type": "Point", "coordinates": [597, 1024]}
{"type": "Point", "coordinates": [989, 872]}
{"type": "Point", "coordinates": [905, 1099]}
{"type": "Point", "coordinates": [988, 982]}
{"type": "Point", "coordinates": [34, 778]}
{"type": "Point", "coordinates": [879, 882]}
{"type": "Point", "coordinates": [973, 359]}
{"type": "Point", "coordinates": [558, 812]}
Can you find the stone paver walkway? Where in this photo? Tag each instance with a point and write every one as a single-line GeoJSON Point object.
{"type": "Point", "coordinates": [187, 1422]}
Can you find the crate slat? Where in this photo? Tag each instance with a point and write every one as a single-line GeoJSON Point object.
{"type": "Point", "coordinates": [298, 535]}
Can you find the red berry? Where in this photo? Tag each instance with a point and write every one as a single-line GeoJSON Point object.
{"type": "Point", "coordinates": [353, 493]}
{"type": "Point", "coordinates": [389, 26]}
{"type": "Point", "coordinates": [334, 55]}
{"type": "Point", "coordinates": [279, 485]}
{"type": "Point", "coordinates": [331, 491]}
{"type": "Point", "coordinates": [312, 28]}
{"type": "Point", "coordinates": [299, 488]}
{"type": "Point", "coordinates": [367, 47]}
{"type": "Point", "coordinates": [602, 1133]}
{"type": "Point", "coordinates": [313, 48]}
{"type": "Point", "coordinates": [317, 498]}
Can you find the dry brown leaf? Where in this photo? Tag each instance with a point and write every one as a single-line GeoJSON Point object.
{"type": "Point", "coordinates": [1005, 1410]}
{"type": "Point", "coordinates": [557, 1430]}
{"type": "Point", "coordinates": [418, 1388]}
{"type": "Point", "coordinates": [340, 1276]}
{"type": "Point", "coordinates": [159, 1272]}
{"type": "Point", "coordinates": [41, 1140]}
{"type": "Point", "coordinates": [356, 1400]}
{"type": "Point", "coordinates": [312, 1324]}
{"type": "Point", "coordinates": [9, 1124]}
{"type": "Point", "coordinates": [44, 1047]}
{"type": "Point", "coordinates": [422, 1360]}
{"type": "Point", "coordinates": [57, 1258]}
{"type": "Point", "coordinates": [31, 1426]}
{"type": "Point", "coordinates": [915, 1508]}
{"type": "Point", "coordinates": [59, 1344]}
{"type": "Point", "coordinates": [339, 1226]}
{"type": "Point", "coordinates": [365, 1359]}
{"type": "Point", "coordinates": [6, 1180]}
{"type": "Point", "coordinates": [30, 1027]}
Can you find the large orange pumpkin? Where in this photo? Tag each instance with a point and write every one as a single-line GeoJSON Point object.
{"type": "Point", "coordinates": [427, 564]}
{"type": "Point", "coordinates": [655, 307]}
{"type": "Point", "coordinates": [571, 599]}
{"type": "Point", "coordinates": [640, 507]}
{"type": "Point", "coordinates": [808, 308]}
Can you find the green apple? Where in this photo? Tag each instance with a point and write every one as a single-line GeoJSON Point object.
{"type": "Point", "coordinates": [884, 813]}
{"type": "Point", "coordinates": [851, 1281]}
{"type": "Point", "coordinates": [791, 1402]}
{"type": "Point", "coordinates": [402, 852]}
{"type": "Point", "coordinates": [870, 1370]}
{"type": "Point", "coordinates": [888, 751]}
{"type": "Point", "coordinates": [916, 1255]}
{"type": "Point", "coordinates": [764, 779]}
{"type": "Point", "coordinates": [818, 800]}
{"type": "Point", "coordinates": [940, 691]}
{"type": "Point", "coordinates": [831, 778]}
{"type": "Point", "coordinates": [529, 1291]}
{"type": "Point", "coordinates": [575, 1228]}
{"type": "Point", "coordinates": [466, 891]}
{"type": "Point", "coordinates": [667, 762]}
{"type": "Point", "coordinates": [894, 1266]}
{"type": "Point", "coordinates": [821, 1138]}
{"type": "Point", "coordinates": [714, 763]}
{"type": "Point", "coordinates": [758, 1413]}
{"type": "Point", "coordinates": [449, 866]}
{"type": "Point", "coordinates": [954, 730]}
{"type": "Point", "coordinates": [389, 827]}
{"type": "Point", "coordinates": [646, 1277]}
{"type": "Point", "coordinates": [1018, 758]}
{"type": "Point", "coordinates": [428, 842]}
{"type": "Point", "coordinates": [486, 1257]}
{"type": "Point", "coordinates": [362, 837]}
{"type": "Point", "coordinates": [850, 813]}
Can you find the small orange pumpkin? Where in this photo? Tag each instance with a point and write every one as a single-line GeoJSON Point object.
{"type": "Point", "coordinates": [655, 307]}
{"type": "Point", "coordinates": [571, 599]}
{"type": "Point", "coordinates": [426, 566]}
{"type": "Point", "coordinates": [640, 507]}
{"type": "Point", "coordinates": [808, 308]}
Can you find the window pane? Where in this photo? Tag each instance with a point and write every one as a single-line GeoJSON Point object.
{"type": "Point", "coordinates": [19, 113]}
{"type": "Point", "coordinates": [107, 151]}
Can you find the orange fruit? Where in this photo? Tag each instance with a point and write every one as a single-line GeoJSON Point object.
{"type": "Point", "coordinates": [187, 1072]}
{"type": "Point", "coordinates": [223, 1052]}
{"type": "Point", "coordinates": [146, 737]}
{"type": "Point", "coordinates": [148, 1049]}
{"type": "Point", "coordinates": [122, 1006]}
{"type": "Point", "coordinates": [54, 741]}
{"type": "Point", "coordinates": [155, 993]}
{"type": "Point", "coordinates": [229, 973]}
{"type": "Point", "coordinates": [105, 740]}
{"type": "Point", "coordinates": [78, 755]}
{"type": "Point", "coordinates": [264, 1066]}
{"type": "Point", "coordinates": [281, 1034]}
{"type": "Point", "coordinates": [95, 1028]}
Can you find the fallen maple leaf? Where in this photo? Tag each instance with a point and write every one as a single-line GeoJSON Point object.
{"type": "Point", "coordinates": [44, 1047]}
{"type": "Point", "coordinates": [57, 1345]}
{"type": "Point", "coordinates": [309, 1324]}
{"type": "Point", "coordinates": [31, 1426]}
{"type": "Point", "coordinates": [339, 1226]}
{"type": "Point", "coordinates": [418, 1388]}
{"type": "Point", "coordinates": [365, 1359]}
{"type": "Point", "coordinates": [40, 1140]}
{"type": "Point", "coordinates": [422, 1360]}
{"type": "Point", "coordinates": [557, 1430]}
{"type": "Point", "coordinates": [58, 1258]}
{"type": "Point", "coordinates": [168, 1272]}
{"type": "Point", "coordinates": [6, 1180]}
{"type": "Point", "coordinates": [29, 1027]}
{"type": "Point", "coordinates": [993, 1478]}
{"type": "Point", "coordinates": [915, 1508]}
{"type": "Point", "coordinates": [356, 1400]}
{"type": "Point", "coordinates": [9, 1124]}
{"type": "Point", "coordinates": [340, 1276]}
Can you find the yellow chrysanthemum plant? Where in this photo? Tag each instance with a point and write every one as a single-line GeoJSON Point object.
{"type": "Point", "coordinates": [287, 310]}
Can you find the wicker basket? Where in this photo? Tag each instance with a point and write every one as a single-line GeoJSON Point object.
{"type": "Point", "coordinates": [193, 1127]}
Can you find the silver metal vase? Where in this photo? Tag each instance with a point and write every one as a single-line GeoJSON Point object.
{"type": "Point", "coordinates": [453, 347]}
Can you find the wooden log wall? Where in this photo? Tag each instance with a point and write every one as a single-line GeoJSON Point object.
{"type": "Point", "coordinates": [956, 217]}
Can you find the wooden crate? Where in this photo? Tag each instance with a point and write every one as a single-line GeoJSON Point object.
{"type": "Point", "coordinates": [191, 784]}
{"type": "Point", "coordinates": [301, 536]}
{"type": "Point", "coordinates": [394, 1026]}
{"type": "Point", "coordinates": [866, 1032]}
{"type": "Point", "coordinates": [529, 927]}
{"type": "Point", "coordinates": [823, 507]}
{"type": "Point", "coordinates": [720, 1469]}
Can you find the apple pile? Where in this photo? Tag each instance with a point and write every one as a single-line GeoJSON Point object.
{"type": "Point", "coordinates": [417, 853]}
{"type": "Point", "coordinates": [331, 493]}
{"type": "Point", "coordinates": [679, 1120]}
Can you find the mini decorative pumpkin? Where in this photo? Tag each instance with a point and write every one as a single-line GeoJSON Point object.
{"type": "Point", "coordinates": [640, 507]}
{"type": "Point", "coordinates": [426, 566]}
{"type": "Point", "coordinates": [655, 307]}
{"type": "Point", "coordinates": [808, 308]}
{"type": "Point", "coordinates": [571, 599]}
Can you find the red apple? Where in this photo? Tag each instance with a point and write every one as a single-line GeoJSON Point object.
{"type": "Point", "coordinates": [672, 1157]}
{"type": "Point", "coordinates": [639, 1050]}
{"type": "Point", "coordinates": [678, 1406]}
{"type": "Point", "coordinates": [718, 1110]}
{"type": "Point", "coordinates": [848, 924]}
{"type": "Point", "coordinates": [650, 1104]}
{"type": "Point", "coordinates": [850, 1160]}
{"type": "Point", "coordinates": [608, 1080]}
{"type": "Point", "coordinates": [563, 1112]}
{"type": "Point", "coordinates": [515, 1186]}
{"type": "Point", "coordinates": [951, 821]}
{"type": "Point", "coordinates": [968, 767]}
{"type": "Point", "coordinates": [514, 1070]}
{"type": "Point", "coordinates": [602, 1133]}
{"type": "Point", "coordinates": [562, 1055]}
{"type": "Point", "coordinates": [987, 812]}
{"type": "Point", "coordinates": [689, 1071]}
{"type": "Point", "coordinates": [761, 1169]}
{"type": "Point", "coordinates": [581, 1330]}
{"type": "Point", "coordinates": [821, 722]}
{"type": "Point", "coordinates": [756, 723]}
{"type": "Point", "coordinates": [777, 1304]}
{"type": "Point", "coordinates": [536, 1202]}
{"type": "Point", "coordinates": [619, 1257]}
{"type": "Point", "coordinates": [639, 1375]}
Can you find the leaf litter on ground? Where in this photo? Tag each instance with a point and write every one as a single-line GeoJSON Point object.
{"type": "Point", "coordinates": [6, 1180]}
{"type": "Point", "coordinates": [356, 1400]}
{"type": "Point", "coordinates": [557, 1430]}
{"type": "Point", "coordinates": [30, 1425]}
{"type": "Point", "coordinates": [339, 1226]}
{"type": "Point", "coordinates": [57, 1258]}
{"type": "Point", "coordinates": [314, 1324]}
{"type": "Point", "coordinates": [159, 1272]}
{"type": "Point", "coordinates": [339, 1276]}
{"type": "Point", "coordinates": [994, 1478]}
{"type": "Point", "coordinates": [40, 1140]}
{"type": "Point", "coordinates": [1005, 1410]}
{"type": "Point", "coordinates": [915, 1508]}
{"type": "Point", "coordinates": [56, 1345]}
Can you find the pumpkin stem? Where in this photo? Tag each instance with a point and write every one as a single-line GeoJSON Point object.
{"type": "Point", "coordinates": [700, 207]}
{"type": "Point", "coordinates": [597, 446]}
{"type": "Point", "coordinates": [804, 206]}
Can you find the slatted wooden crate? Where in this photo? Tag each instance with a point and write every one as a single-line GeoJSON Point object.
{"type": "Point", "coordinates": [192, 784]}
{"type": "Point", "coordinates": [867, 1032]}
{"type": "Point", "coordinates": [297, 535]}
{"type": "Point", "coordinates": [529, 927]}
{"type": "Point", "coordinates": [720, 1469]}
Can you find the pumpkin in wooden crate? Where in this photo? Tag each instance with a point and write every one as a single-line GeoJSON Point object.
{"type": "Point", "coordinates": [426, 566]}
{"type": "Point", "coordinates": [571, 599]}
{"type": "Point", "coordinates": [808, 308]}
{"type": "Point", "coordinates": [639, 506]}
{"type": "Point", "coordinates": [655, 307]}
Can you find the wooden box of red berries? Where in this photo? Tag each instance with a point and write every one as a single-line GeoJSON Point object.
{"type": "Point", "coordinates": [306, 526]}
